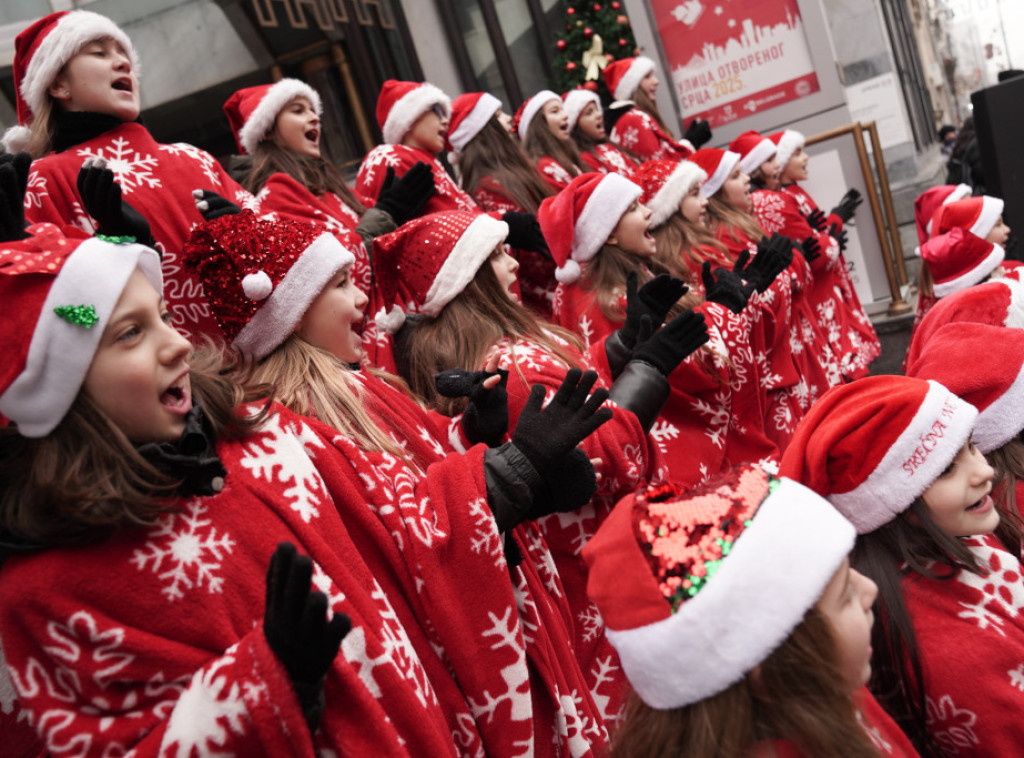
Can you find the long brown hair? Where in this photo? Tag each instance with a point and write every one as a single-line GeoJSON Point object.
{"type": "Point", "coordinates": [677, 240]}
{"type": "Point", "coordinates": [798, 694]}
{"type": "Point", "coordinates": [646, 103]}
{"type": "Point", "coordinates": [736, 223]}
{"type": "Point", "coordinates": [494, 152]}
{"type": "Point", "coordinates": [315, 174]}
{"type": "Point", "coordinates": [85, 479]}
{"type": "Point", "coordinates": [466, 328]}
{"type": "Point", "coordinates": [539, 141]}
{"type": "Point", "coordinates": [1008, 462]}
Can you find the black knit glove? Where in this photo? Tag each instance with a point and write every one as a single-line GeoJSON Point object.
{"type": "Point", "coordinates": [297, 629]}
{"type": "Point", "coordinates": [669, 346]}
{"type": "Point", "coordinates": [569, 484]}
{"type": "Point", "coordinates": [13, 182]}
{"type": "Point", "coordinates": [816, 220]}
{"type": "Point", "coordinates": [653, 300]}
{"type": "Point", "coordinates": [212, 205]}
{"type": "Point", "coordinates": [546, 434]}
{"type": "Point", "coordinates": [811, 249]}
{"type": "Point", "coordinates": [698, 133]}
{"type": "Point", "coordinates": [403, 198]}
{"type": "Point", "coordinates": [726, 287]}
{"type": "Point", "coordinates": [101, 198]}
{"type": "Point", "coordinates": [848, 205]}
{"type": "Point", "coordinates": [774, 254]}
{"type": "Point", "coordinates": [839, 235]}
{"type": "Point", "coordinates": [486, 417]}
{"type": "Point", "coordinates": [524, 233]}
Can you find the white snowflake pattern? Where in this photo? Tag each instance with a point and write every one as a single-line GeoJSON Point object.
{"type": "Point", "coordinates": [485, 540]}
{"type": "Point", "coordinates": [951, 727]}
{"type": "Point", "coordinates": [1002, 588]}
{"type": "Point", "coordinates": [131, 169]}
{"type": "Point", "coordinates": [210, 710]}
{"type": "Point", "coordinates": [717, 418]}
{"type": "Point", "coordinates": [281, 454]}
{"type": "Point", "coordinates": [381, 156]}
{"type": "Point", "coordinates": [603, 672]}
{"type": "Point", "coordinates": [569, 724]}
{"type": "Point", "coordinates": [185, 552]}
{"type": "Point", "coordinates": [206, 161]}
{"type": "Point", "coordinates": [768, 207]}
{"type": "Point", "coordinates": [630, 137]}
{"type": "Point", "coordinates": [1017, 677]}
{"type": "Point", "coordinates": [586, 328]}
{"type": "Point", "coordinates": [505, 632]}
{"type": "Point", "coordinates": [35, 190]}
{"type": "Point", "coordinates": [591, 622]}
{"type": "Point", "coordinates": [662, 432]}
{"type": "Point", "coordinates": [558, 174]}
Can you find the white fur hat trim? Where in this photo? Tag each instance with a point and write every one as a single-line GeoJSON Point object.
{"type": "Point", "coordinates": [262, 119]}
{"type": "Point", "coordinates": [630, 80]}
{"type": "Point", "coordinates": [609, 200]}
{"type": "Point", "coordinates": [471, 251]}
{"type": "Point", "coordinates": [532, 108]}
{"type": "Point", "coordinates": [959, 193]}
{"type": "Point", "coordinates": [975, 275]}
{"type": "Point", "coordinates": [408, 109]}
{"type": "Point", "coordinates": [762, 152]}
{"type": "Point", "coordinates": [991, 210]}
{"type": "Point", "coordinates": [474, 121]}
{"type": "Point", "coordinates": [576, 101]}
{"type": "Point", "coordinates": [667, 199]}
{"type": "Point", "coordinates": [789, 143]}
{"type": "Point", "coordinates": [722, 171]}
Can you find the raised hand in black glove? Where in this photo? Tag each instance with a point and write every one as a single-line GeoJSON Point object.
{"type": "Point", "coordinates": [839, 235]}
{"type": "Point", "coordinates": [101, 198]}
{"type": "Point", "coordinates": [212, 205]}
{"type": "Point", "coordinates": [524, 233]}
{"type": "Point", "coordinates": [816, 220]}
{"type": "Point", "coordinates": [296, 626]}
{"type": "Point", "coordinates": [774, 254]}
{"type": "Point", "coordinates": [669, 346]}
{"type": "Point", "coordinates": [726, 287]}
{"type": "Point", "coordinates": [811, 249]}
{"type": "Point", "coordinates": [13, 181]}
{"type": "Point", "coordinates": [486, 417]}
{"type": "Point", "coordinates": [404, 198]}
{"type": "Point", "coordinates": [653, 300]}
{"type": "Point", "coordinates": [848, 205]}
{"type": "Point", "coordinates": [698, 133]}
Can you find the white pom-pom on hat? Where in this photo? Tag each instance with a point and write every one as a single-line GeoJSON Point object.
{"type": "Point", "coordinates": [569, 273]}
{"type": "Point", "coordinates": [257, 286]}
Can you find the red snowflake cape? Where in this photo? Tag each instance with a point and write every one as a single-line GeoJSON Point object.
{"type": "Point", "coordinates": [284, 198]}
{"type": "Point", "coordinates": [609, 159]}
{"type": "Point", "coordinates": [449, 196]}
{"type": "Point", "coordinates": [628, 460]}
{"type": "Point", "coordinates": [158, 181]}
{"type": "Point", "coordinates": [554, 173]}
{"type": "Point", "coordinates": [637, 131]}
{"type": "Point", "coordinates": [884, 733]}
{"type": "Point", "coordinates": [970, 636]}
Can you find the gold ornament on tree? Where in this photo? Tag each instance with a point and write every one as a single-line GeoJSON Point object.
{"type": "Point", "coordinates": [593, 60]}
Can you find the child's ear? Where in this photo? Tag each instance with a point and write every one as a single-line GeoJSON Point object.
{"type": "Point", "coordinates": [59, 89]}
{"type": "Point", "coordinates": [612, 240]}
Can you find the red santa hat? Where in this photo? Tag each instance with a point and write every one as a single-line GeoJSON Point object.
{"type": "Point", "coordinates": [958, 259]}
{"type": "Point", "coordinates": [424, 264]}
{"type": "Point", "coordinates": [58, 293]}
{"type": "Point", "coordinates": [995, 386]}
{"type": "Point", "coordinates": [717, 164]}
{"type": "Point", "coordinates": [786, 143]}
{"type": "Point", "coordinates": [996, 303]}
{"type": "Point", "coordinates": [530, 108]}
{"type": "Point", "coordinates": [622, 77]}
{"type": "Point", "coordinates": [977, 215]}
{"type": "Point", "coordinates": [260, 277]}
{"type": "Point", "coordinates": [575, 101]}
{"type": "Point", "coordinates": [931, 200]}
{"type": "Point", "coordinates": [470, 113]}
{"type": "Point", "coordinates": [578, 220]}
{"type": "Point", "coordinates": [252, 111]}
{"type": "Point", "coordinates": [42, 50]}
{"type": "Point", "coordinates": [400, 104]}
{"type": "Point", "coordinates": [874, 445]}
{"type": "Point", "coordinates": [665, 184]}
{"type": "Point", "coordinates": [679, 578]}
{"type": "Point", "coordinates": [753, 149]}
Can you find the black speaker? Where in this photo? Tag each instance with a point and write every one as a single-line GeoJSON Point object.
{"type": "Point", "coordinates": [999, 120]}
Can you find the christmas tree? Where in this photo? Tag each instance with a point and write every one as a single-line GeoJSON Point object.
{"type": "Point", "coordinates": [596, 33]}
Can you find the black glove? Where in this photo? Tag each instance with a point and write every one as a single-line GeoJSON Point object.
{"type": "Point", "coordinates": [839, 235]}
{"type": "Point", "coordinates": [212, 205]}
{"type": "Point", "coordinates": [546, 435]}
{"type": "Point", "coordinates": [486, 417]}
{"type": "Point", "coordinates": [297, 630]}
{"type": "Point", "coordinates": [653, 300]}
{"type": "Point", "coordinates": [669, 346]}
{"type": "Point", "coordinates": [101, 198]}
{"type": "Point", "coordinates": [698, 133]}
{"type": "Point", "coordinates": [569, 485]}
{"type": "Point", "coordinates": [524, 233]}
{"type": "Point", "coordinates": [13, 181]}
{"type": "Point", "coordinates": [404, 198]}
{"type": "Point", "coordinates": [816, 220]}
{"type": "Point", "coordinates": [848, 205]}
{"type": "Point", "coordinates": [726, 287]}
{"type": "Point", "coordinates": [774, 254]}
{"type": "Point", "coordinates": [811, 249]}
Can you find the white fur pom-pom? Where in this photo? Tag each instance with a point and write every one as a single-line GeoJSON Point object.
{"type": "Point", "coordinates": [257, 286]}
{"type": "Point", "coordinates": [16, 138]}
{"type": "Point", "coordinates": [391, 321]}
{"type": "Point", "coordinates": [568, 273]}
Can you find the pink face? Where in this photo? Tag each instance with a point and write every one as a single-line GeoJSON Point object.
{"type": "Point", "coordinates": [795, 169]}
{"type": "Point", "coordinates": [632, 233]}
{"type": "Point", "coordinates": [846, 605]}
{"type": "Point", "coordinates": [98, 79]}
{"type": "Point", "coordinates": [649, 85]}
{"type": "Point", "coordinates": [139, 375]}
{"type": "Point", "coordinates": [959, 501]}
{"type": "Point", "coordinates": [297, 128]}
{"type": "Point", "coordinates": [591, 122]}
{"type": "Point", "coordinates": [428, 131]}
{"type": "Point", "coordinates": [505, 268]}
{"type": "Point", "coordinates": [736, 190]}
{"type": "Point", "coordinates": [556, 119]}
{"type": "Point", "coordinates": [328, 322]}
{"type": "Point", "coordinates": [693, 207]}
{"type": "Point", "coordinates": [770, 172]}
{"type": "Point", "coordinates": [1000, 233]}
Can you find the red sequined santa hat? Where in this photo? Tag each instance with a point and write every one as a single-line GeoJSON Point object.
{"type": "Point", "coordinates": [470, 113]}
{"type": "Point", "coordinates": [622, 77]}
{"type": "Point", "coordinates": [260, 277]}
{"type": "Point", "coordinates": [530, 108]}
{"type": "Point", "coordinates": [977, 215]}
{"type": "Point", "coordinates": [958, 259]}
{"type": "Point", "coordinates": [680, 576]}
{"type": "Point", "coordinates": [575, 101]}
{"type": "Point", "coordinates": [931, 200]}
{"type": "Point", "coordinates": [58, 293]}
{"type": "Point", "coordinates": [252, 111]}
{"type": "Point", "coordinates": [425, 263]}
{"type": "Point", "coordinates": [786, 143]}
{"type": "Point", "coordinates": [754, 149]}
{"type": "Point", "coordinates": [665, 184]}
{"type": "Point", "coordinates": [874, 445]}
{"type": "Point", "coordinates": [995, 386]}
{"type": "Point", "coordinates": [717, 164]}
{"type": "Point", "coordinates": [42, 50]}
{"type": "Point", "coordinates": [996, 303]}
{"type": "Point", "coordinates": [400, 104]}
{"type": "Point", "coordinates": [578, 220]}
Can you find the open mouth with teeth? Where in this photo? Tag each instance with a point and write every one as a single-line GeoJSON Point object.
{"type": "Point", "coordinates": [176, 399]}
{"type": "Point", "coordinates": [981, 505]}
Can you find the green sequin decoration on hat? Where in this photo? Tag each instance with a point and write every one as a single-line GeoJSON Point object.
{"type": "Point", "coordinates": [78, 315]}
{"type": "Point", "coordinates": [124, 239]}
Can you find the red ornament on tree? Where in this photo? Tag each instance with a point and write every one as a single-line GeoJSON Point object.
{"type": "Point", "coordinates": [588, 32]}
{"type": "Point", "coordinates": [609, 57]}
{"type": "Point", "coordinates": [568, 27]}
{"type": "Point", "coordinates": [560, 44]}
{"type": "Point", "coordinates": [591, 85]}
{"type": "Point", "coordinates": [622, 42]}
{"type": "Point", "coordinates": [570, 66]}
{"type": "Point", "coordinates": [621, 20]}
{"type": "Point", "coordinates": [616, 6]}
{"type": "Point", "coordinates": [597, 7]}
{"type": "Point", "coordinates": [571, 12]}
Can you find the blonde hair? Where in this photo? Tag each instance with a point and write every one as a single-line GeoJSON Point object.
{"type": "Point", "coordinates": [677, 240]}
{"type": "Point", "coordinates": [42, 129]}
{"type": "Point", "coordinates": [735, 222]}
